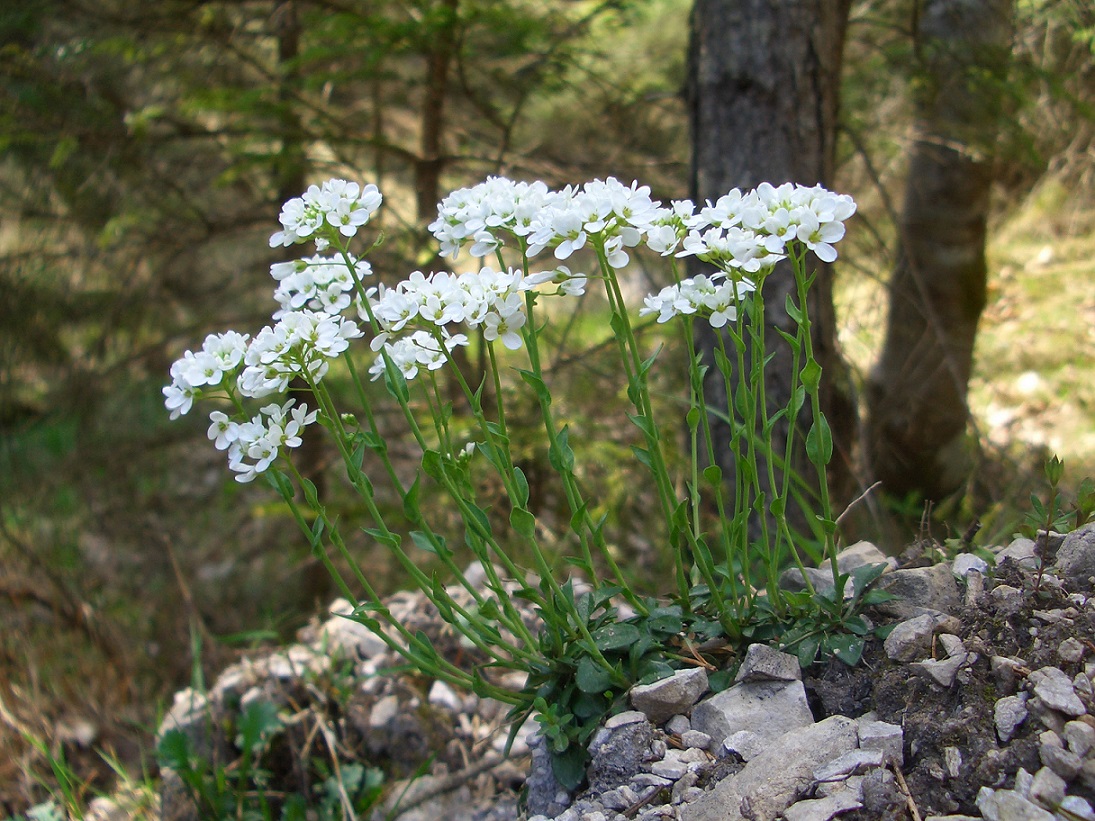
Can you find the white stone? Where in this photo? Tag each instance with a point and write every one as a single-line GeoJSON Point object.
{"type": "Point", "coordinates": [1056, 691]}
{"type": "Point", "coordinates": [911, 639]}
{"type": "Point", "coordinates": [678, 724]}
{"type": "Point", "coordinates": [773, 779]}
{"type": "Point", "coordinates": [767, 708]}
{"type": "Point", "coordinates": [965, 562]}
{"type": "Point", "coordinates": [1048, 788]}
{"type": "Point", "coordinates": [822, 809]}
{"type": "Point", "coordinates": [764, 663]}
{"type": "Point", "coordinates": [1009, 713]}
{"type": "Point", "coordinates": [952, 757]}
{"type": "Point", "coordinates": [442, 695]}
{"type": "Point", "coordinates": [1080, 737]}
{"type": "Point", "coordinates": [696, 739]}
{"type": "Point", "coordinates": [668, 768]}
{"type": "Point", "coordinates": [1077, 808]}
{"type": "Point", "coordinates": [880, 735]}
{"type": "Point", "coordinates": [745, 743]}
{"type": "Point", "coordinates": [663, 699]}
{"type": "Point", "coordinates": [1070, 650]}
{"type": "Point", "coordinates": [1007, 805]}
{"type": "Point", "coordinates": [624, 718]}
{"type": "Point", "coordinates": [851, 763]}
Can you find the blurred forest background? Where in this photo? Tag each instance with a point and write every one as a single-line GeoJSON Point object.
{"type": "Point", "coordinates": [146, 148]}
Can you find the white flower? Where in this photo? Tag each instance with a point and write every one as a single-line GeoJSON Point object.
{"type": "Point", "coordinates": [344, 206]}
{"type": "Point", "coordinates": [222, 430]}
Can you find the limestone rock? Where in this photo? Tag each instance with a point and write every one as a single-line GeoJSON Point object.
{"type": "Point", "coordinates": [1009, 713]}
{"type": "Point", "coordinates": [911, 639]}
{"type": "Point", "coordinates": [769, 783]}
{"type": "Point", "coordinates": [670, 696]}
{"type": "Point", "coordinates": [965, 563]}
{"type": "Point", "coordinates": [823, 809]}
{"type": "Point", "coordinates": [888, 738]}
{"type": "Point", "coordinates": [764, 663]}
{"type": "Point", "coordinates": [1056, 691]}
{"type": "Point", "coordinates": [1076, 558]}
{"type": "Point", "coordinates": [619, 755]}
{"type": "Point", "coordinates": [1008, 805]}
{"type": "Point", "coordinates": [767, 708]}
{"type": "Point", "coordinates": [918, 589]}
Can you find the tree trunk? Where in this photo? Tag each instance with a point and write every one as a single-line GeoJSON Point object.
{"type": "Point", "coordinates": [917, 412]}
{"type": "Point", "coordinates": [764, 94]}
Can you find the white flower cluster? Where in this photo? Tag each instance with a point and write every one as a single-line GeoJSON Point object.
{"type": "Point", "coordinates": [259, 440]}
{"type": "Point", "coordinates": [716, 300]}
{"type": "Point", "coordinates": [336, 205]}
{"type": "Point", "coordinates": [317, 283]}
{"type": "Point", "coordinates": [300, 344]}
{"type": "Point", "coordinates": [742, 235]}
{"type": "Point", "coordinates": [220, 354]}
{"type": "Point", "coordinates": [749, 232]}
{"type": "Point", "coordinates": [537, 218]}
{"type": "Point", "coordinates": [426, 305]}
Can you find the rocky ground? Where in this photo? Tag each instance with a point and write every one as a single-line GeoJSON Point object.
{"type": "Point", "coordinates": [978, 704]}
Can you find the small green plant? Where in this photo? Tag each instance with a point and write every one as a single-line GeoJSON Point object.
{"type": "Point", "coordinates": [729, 537]}
{"type": "Point", "coordinates": [1053, 515]}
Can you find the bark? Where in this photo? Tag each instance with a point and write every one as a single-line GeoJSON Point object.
{"type": "Point", "coordinates": [764, 97]}
{"type": "Point", "coordinates": [916, 397]}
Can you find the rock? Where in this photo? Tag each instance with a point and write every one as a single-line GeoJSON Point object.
{"type": "Point", "coordinates": [1080, 737]}
{"type": "Point", "coordinates": [1007, 599]}
{"type": "Point", "coordinates": [1077, 807]}
{"type": "Point", "coordinates": [1007, 805]}
{"type": "Point", "coordinates": [764, 663]}
{"type": "Point", "coordinates": [670, 696]}
{"type": "Point", "coordinates": [1076, 557]}
{"type": "Point", "coordinates": [911, 639]}
{"type": "Point", "coordinates": [767, 708]}
{"type": "Point", "coordinates": [1061, 761]}
{"type": "Point", "coordinates": [769, 783]}
{"type": "Point", "coordinates": [952, 758]}
{"type": "Point", "coordinates": [544, 794]}
{"type": "Point", "coordinates": [943, 672]}
{"type": "Point", "coordinates": [882, 736]}
{"type": "Point", "coordinates": [694, 739]}
{"type": "Point", "coordinates": [1070, 651]}
{"type": "Point", "coordinates": [347, 638]}
{"type": "Point", "coordinates": [1021, 551]}
{"type": "Point", "coordinates": [1047, 788]}
{"type": "Point", "coordinates": [1008, 714]}
{"type": "Point", "coordinates": [881, 796]}
{"type": "Point", "coordinates": [919, 589]}
{"type": "Point", "coordinates": [442, 695]}
{"type": "Point", "coordinates": [1056, 691]}
{"type": "Point", "coordinates": [964, 563]}
{"type": "Point", "coordinates": [822, 809]}
{"type": "Point", "coordinates": [1007, 672]}
{"type": "Point", "coordinates": [851, 763]}
{"type": "Point", "coordinates": [620, 755]}
{"type": "Point", "coordinates": [745, 743]}
{"type": "Point", "coordinates": [678, 724]}
{"type": "Point", "coordinates": [847, 560]}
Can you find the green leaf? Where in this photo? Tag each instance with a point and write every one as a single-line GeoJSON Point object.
{"type": "Point", "coordinates": [389, 539]}
{"type": "Point", "coordinates": [423, 542]}
{"type": "Point", "coordinates": [521, 487]}
{"type": "Point", "coordinates": [560, 455]}
{"type": "Point", "coordinates": [847, 648]}
{"type": "Point", "coordinates": [537, 385]}
{"type": "Point", "coordinates": [174, 751]}
{"type": "Point", "coordinates": [645, 424]}
{"type": "Point", "coordinates": [811, 375]}
{"type": "Point", "coordinates": [693, 419]}
{"type": "Point", "coordinates": [410, 500]}
{"type": "Point", "coordinates": [569, 767]}
{"type": "Point", "coordinates": [819, 441]}
{"type": "Point", "coordinates": [792, 309]}
{"type": "Point", "coordinates": [591, 677]}
{"type": "Point", "coordinates": [712, 474]}
{"type": "Point", "coordinates": [257, 725]}
{"type": "Point", "coordinates": [615, 636]}
{"type": "Point", "coordinates": [434, 466]}
{"type": "Point", "coordinates": [523, 522]}
{"type": "Point", "coordinates": [643, 456]}
{"type": "Point", "coordinates": [807, 651]}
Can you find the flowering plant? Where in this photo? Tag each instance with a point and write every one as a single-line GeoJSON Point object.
{"type": "Point", "coordinates": [590, 646]}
